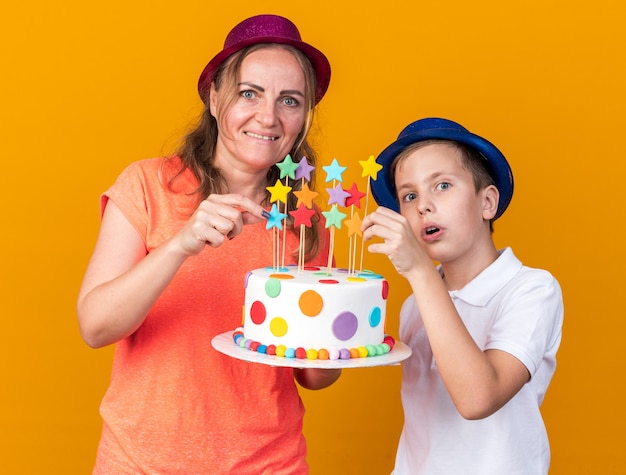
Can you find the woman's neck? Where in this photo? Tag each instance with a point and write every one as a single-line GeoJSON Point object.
{"type": "Point", "coordinates": [251, 184]}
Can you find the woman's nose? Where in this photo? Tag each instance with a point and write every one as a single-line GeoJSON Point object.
{"type": "Point", "coordinates": [266, 114]}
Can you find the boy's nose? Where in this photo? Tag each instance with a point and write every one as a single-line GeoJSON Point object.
{"type": "Point", "coordinates": [424, 205]}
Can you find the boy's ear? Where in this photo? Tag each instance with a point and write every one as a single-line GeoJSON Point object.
{"type": "Point", "coordinates": [491, 197]}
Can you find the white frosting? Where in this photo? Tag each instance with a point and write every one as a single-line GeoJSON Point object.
{"type": "Point", "coordinates": [298, 309]}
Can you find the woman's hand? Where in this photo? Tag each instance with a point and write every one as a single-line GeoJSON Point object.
{"type": "Point", "coordinates": [123, 280]}
{"type": "Point", "coordinates": [218, 218]}
{"type": "Point", "coordinates": [316, 378]}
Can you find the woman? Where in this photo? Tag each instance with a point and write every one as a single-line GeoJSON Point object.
{"type": "Point", "coordinates": [177, 237]}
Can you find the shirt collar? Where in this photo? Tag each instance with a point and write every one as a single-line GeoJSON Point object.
{"type": "Point", "coordinates": [490, 281]}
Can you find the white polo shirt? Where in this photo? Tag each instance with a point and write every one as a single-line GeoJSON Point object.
{"type": "Point", "coordinates": [508, 307]}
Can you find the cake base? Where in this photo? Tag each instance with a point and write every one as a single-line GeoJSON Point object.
{"type": "Point", "coordinates": [224, 344]}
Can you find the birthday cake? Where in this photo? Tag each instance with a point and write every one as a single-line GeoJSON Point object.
{"type": "Point", "coordinates": [308, 312]}
{"type": "Point", "coordinates": [314, 313]}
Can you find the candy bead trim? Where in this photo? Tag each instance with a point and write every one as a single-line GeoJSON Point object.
{"type": "Point", "coordinates": [315, 354]}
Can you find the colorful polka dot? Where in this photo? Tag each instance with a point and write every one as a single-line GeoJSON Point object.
{"type": "Point", "coordinates": [375, 317]}
{"type": "Point", "coordinates": [282, 276]}
{"type": "Point", "coordinates": [257, 312]}
{"type": "Point", "coordinates": [311, 303]}
{"type": "Point", "coordinates": [272, 288]}
{"type": "Point", "coordinates": [277, 269]}
{"type": "Point", "coordinates": [345, 326]}
{"type": "Point", "coordinates": [278, 326]}
{"type": "Point", "coordinates": [356, 279]}
{"type": "Point", "coordinates": [385, 289]}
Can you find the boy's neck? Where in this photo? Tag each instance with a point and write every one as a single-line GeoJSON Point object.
{"type": "Point", "coordinates": [458, 273]}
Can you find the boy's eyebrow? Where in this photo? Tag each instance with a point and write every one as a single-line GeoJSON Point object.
{"type": "Point", "coordinates": [410, 184]}
{"type": "Point", "coordinates": [432, 176]}
{"type": "Point", "coordinates": [292, 92]}
{"type": "Point", "coordinates": [403, 186]}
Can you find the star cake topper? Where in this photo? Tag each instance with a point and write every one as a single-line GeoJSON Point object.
{"type": "Point", "coordinates": [288, 168]}
{"type": "Point", "coordinates": [334, 171]}
{"type": "Point", "coordinates": [370, 167]}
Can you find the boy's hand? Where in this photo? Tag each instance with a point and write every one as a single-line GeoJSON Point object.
{"type": "Point", "coordinates": [400, 244]}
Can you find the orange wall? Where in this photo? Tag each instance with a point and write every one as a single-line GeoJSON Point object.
{"type": "Point", "coordinates": [88, 87]}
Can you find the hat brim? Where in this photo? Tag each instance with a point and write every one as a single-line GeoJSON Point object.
{"type": "Point", "coordinates": [384, 190]}
{"type": "Point", "coordinates": [318, 60]}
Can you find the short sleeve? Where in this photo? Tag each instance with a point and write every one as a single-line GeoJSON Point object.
{"type": "Point", "coordinates": [529, 320]}
{"type": "Point", "coordinates": [129, 194]}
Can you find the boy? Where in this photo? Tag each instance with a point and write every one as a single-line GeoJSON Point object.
{"type": "Point", "coordinates": [484, 329]}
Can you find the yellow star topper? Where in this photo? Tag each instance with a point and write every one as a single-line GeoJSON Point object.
{"type": "Point", "coordinates": [278, 192]}
{"type": "Point", "coordinates": [370, 167]}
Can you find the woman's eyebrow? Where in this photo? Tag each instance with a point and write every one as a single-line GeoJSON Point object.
{"type": "Point", "coordinates": [293, 92]}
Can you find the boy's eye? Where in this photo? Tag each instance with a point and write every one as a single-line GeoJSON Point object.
{"type": "Point", "coordinates": [409, 197]}
{"type": "Point", "coordinates": [443, 186]}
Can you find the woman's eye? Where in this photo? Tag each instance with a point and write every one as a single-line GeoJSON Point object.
{"type": "Point", "coordinates": [247, 94]}
{"type": "Point", "coordinates": [290, 101]}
